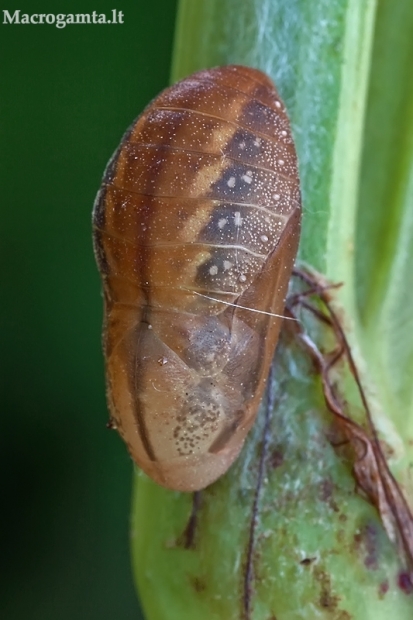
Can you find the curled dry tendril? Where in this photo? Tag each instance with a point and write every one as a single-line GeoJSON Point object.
{"type": "Point", "coordinates": [370, 469]}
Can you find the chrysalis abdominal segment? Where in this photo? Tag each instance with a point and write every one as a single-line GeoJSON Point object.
{"type": "Point", "coordinates": [196, 229]}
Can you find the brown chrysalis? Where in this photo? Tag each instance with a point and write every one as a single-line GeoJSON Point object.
{"type": "Point", "coordinates": [196, 229]}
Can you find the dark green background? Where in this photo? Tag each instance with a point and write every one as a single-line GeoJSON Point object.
{"type": "Point", "coordinates": [67, 95]}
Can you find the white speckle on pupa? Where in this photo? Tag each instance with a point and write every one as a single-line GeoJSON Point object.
{"type": "Point", "coordinates": [237, 218]}
{"type": "Point", "coordinates": [247, 177]}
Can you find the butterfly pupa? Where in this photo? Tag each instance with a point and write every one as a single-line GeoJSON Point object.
{"type": "Point", "coordinates": [195, 226]}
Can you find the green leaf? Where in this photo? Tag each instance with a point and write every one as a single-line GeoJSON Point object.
{"type": "Point", "coordinates": [287, 536]}
{"type": "Point", "coordinates": [384, 259]}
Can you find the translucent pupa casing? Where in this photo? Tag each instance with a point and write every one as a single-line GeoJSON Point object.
{"type": "Point", "coordinates": [196, 228]}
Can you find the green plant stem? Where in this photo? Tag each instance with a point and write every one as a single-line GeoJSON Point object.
{"type": "Point", "coordinates": [318, 549]}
